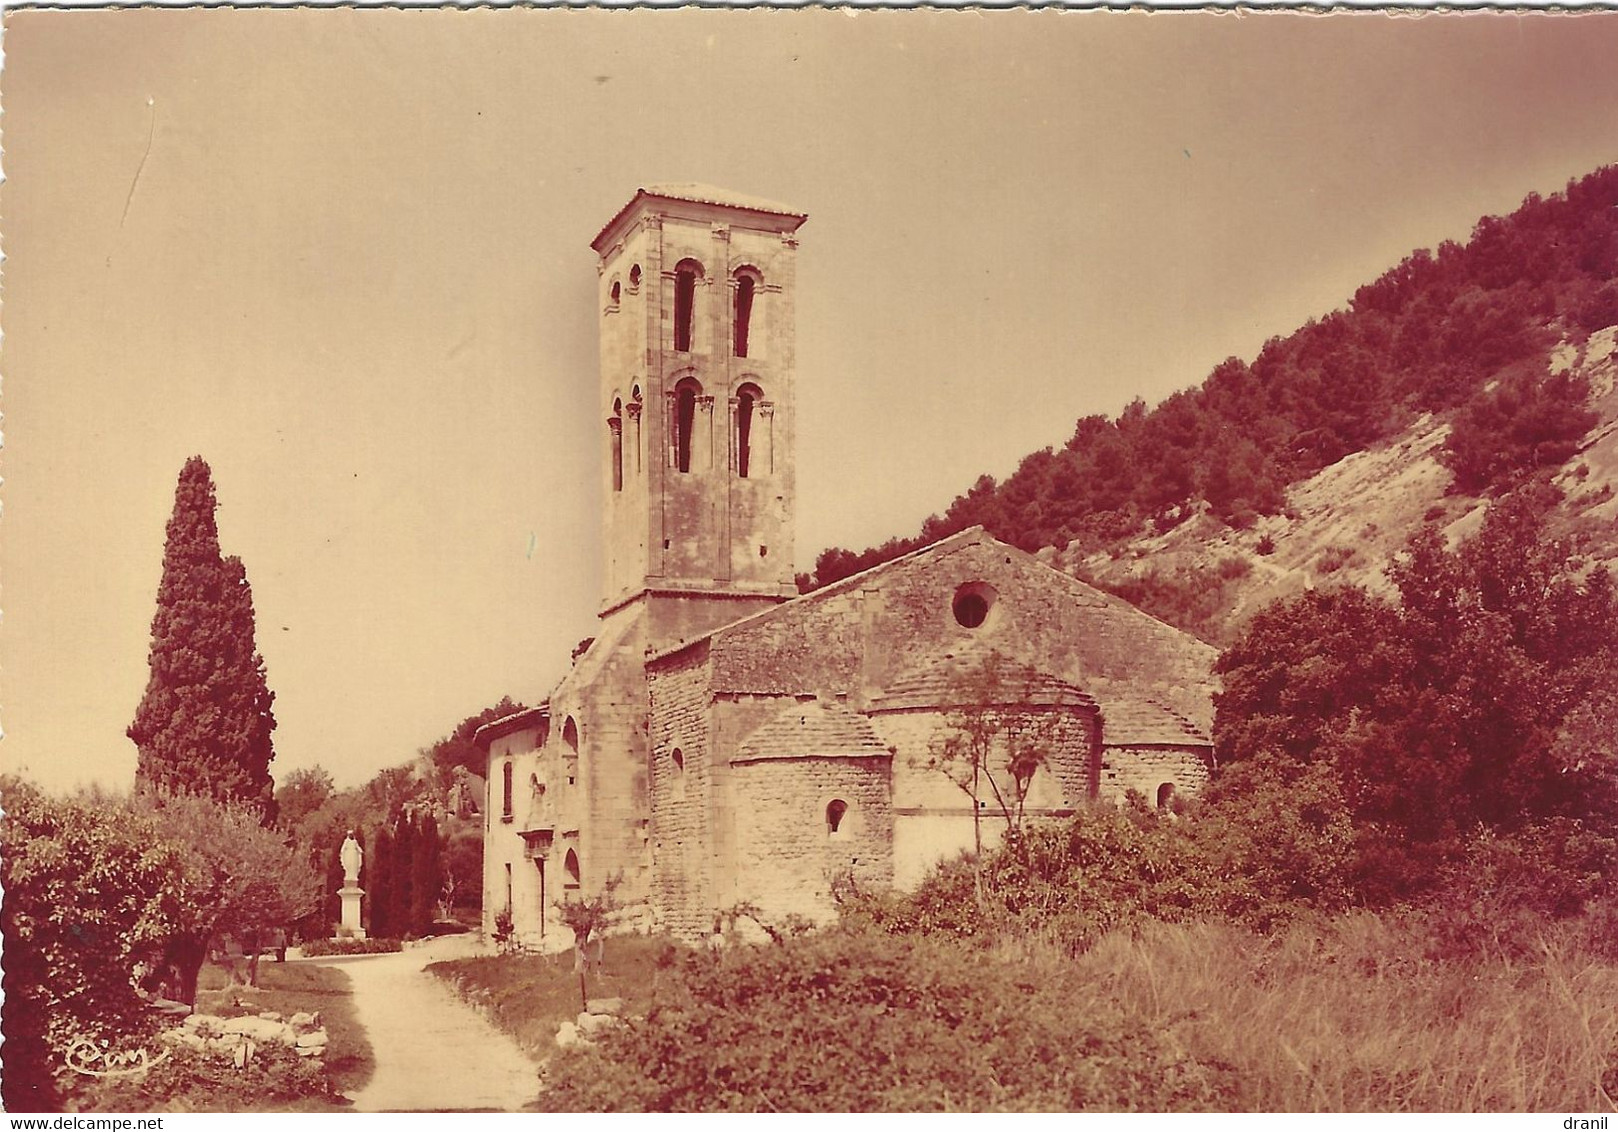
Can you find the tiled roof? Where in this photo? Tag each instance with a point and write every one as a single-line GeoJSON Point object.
{"type": "Point", "coordinates": [1128, 721]}
{"type": "Point", "coordinates": [977, 675]}
{"type": "Point", "coordinates": [710, 194]}
{"type": "Point", "coordinates": [812, 729]}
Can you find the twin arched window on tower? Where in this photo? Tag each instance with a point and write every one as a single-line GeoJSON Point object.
{"type": "Point", "coordinates": [619, 442]}
{"type": "Point", "coordinates": [687, 274]}
{"type": "Point", "coordinates": [749, 398]}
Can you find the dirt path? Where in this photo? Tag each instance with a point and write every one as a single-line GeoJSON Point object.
{"type": "Point", "coordinates": [433, 1051]}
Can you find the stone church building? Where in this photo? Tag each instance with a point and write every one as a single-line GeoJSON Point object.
{"type": "Point", "coordinates": [723, 739]}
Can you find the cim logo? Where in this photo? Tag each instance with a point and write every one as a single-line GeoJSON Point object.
{"type": "Point", "coordinates": [96, 1059]}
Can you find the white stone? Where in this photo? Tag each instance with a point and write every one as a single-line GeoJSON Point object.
{"type": "Point", "coordinates": [261, 1030]}
{"type": "Point", "coordinates": [606, 1006]}
{"type": "Point", "coordinates": [567, 1034]}
{"type": "Point", "coordinates": [314, 1040]}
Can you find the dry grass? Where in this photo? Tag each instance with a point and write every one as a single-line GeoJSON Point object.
{"type": "Point", "coordinates": [1352, 1016]}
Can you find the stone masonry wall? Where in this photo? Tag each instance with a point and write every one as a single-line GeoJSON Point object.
{"type": "Point", "coordinates": [785, 852]}
{"type": "Point", "coordinates": [681, 799]}
{"type": "Point", "coordinates": [1147, 768]}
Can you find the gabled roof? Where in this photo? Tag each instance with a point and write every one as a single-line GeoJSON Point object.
{"type": "Point", "coordinates": [812, 730]}
{"type": "Point", "coordinates": [1137, 721]}
{"type": "Point", "coordinates": [509, 725]}
{"type": "Point", "coordinates": [854, 581]}
{"type": "Point", "coordinates": [976, 675]}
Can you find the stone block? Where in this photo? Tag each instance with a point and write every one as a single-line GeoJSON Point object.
{"type": "Point", "coordinates": [590, 1025]}
{"type": "Point", "coordinates": [606, 1006]}
{"type": "Point", "coordinates": [316, 1039]}
{"type": "Point", "coordinates": [260, 1030]}
{"type": "Point", "coordinates": [567, 1034]}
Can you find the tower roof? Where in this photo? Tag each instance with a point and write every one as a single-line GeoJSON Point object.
{"type": "Point", "coordinates": [788, 219]}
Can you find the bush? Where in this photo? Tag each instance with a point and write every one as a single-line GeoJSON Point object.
{"type": "Point", "coordinates": [191, 1081]}
{"type": "Point", "coordinates": [843, 1021]}
{"type": "Point", "coordinates": [93, 893]}
{"type": "Point", "coordinates": [317, 948]}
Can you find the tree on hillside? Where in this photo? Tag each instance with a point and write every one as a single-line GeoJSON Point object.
{"type": "Point", "coordinates": [301, 795]}
{"type": "Point", "coordinates": [457, 749]}
{"type": "Point", "coordinates": [1469, 702]}
{"type": "Point", "coordinates": [204, 724]}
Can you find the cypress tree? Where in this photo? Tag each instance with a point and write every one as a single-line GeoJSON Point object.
{"type": "Point", "coordinates": [203, 726]}
{"type": "Point", "coordinates": [428, 875]}
{"type": "Point", "coordinates": [401, 876]}
{"type": "Point", "coordinates": [379, 890]}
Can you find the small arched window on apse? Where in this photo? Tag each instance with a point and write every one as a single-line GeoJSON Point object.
{"type": "Point", "coordinates": [634, 278]}
{"type": "Point", "coordinates": [747, 282]}
{"type": "Point", "coordinates": [505, 792]}
{"type": "Point", "coordinates": [616, 293]}
{"type": "Point", "coordinates": [570, 869]}
{"type": "Point", "coordinates": [615, 437]}
{"type": "Point", "coordinates": [685, 415]}
{"type": "Point", "coordinates": [836, 815]}
{"type": "Point", "coordinates": [747, 399]}
{"type": "Point", "coordinates": [1165, 795]}
{"type": "Point", "coordinates": [686, 274]}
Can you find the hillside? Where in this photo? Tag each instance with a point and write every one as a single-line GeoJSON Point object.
{"type": "Point", "coordinates": [1455, 376]}
{"type": "Point", "coordinates": [1344, 523]}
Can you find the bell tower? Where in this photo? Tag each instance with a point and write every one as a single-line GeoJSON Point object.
{"type": "Point", "coordinates": [697, 295]}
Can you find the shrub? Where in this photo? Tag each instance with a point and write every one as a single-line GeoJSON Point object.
{"type": "Point", "coordinates": [316, 948]}
{"type": "Point", "coordinates": [1266, 545]}
{"type": "Point", "coordinates": [192, 1081]}
{"type": "Point", "coordinates": [92, 892]}
{"type": "Point", "coordinates": [842, 1021]}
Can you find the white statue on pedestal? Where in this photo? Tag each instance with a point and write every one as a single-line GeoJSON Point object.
{"type": "Point", "coordinates": [353, 857]}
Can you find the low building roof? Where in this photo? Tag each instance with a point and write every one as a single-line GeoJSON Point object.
{"type": "Point", "coordinates": [510, 725]}
{"type": "Point", "coordinates": [812, 730]}
{"type": "Point", "coordinates": [1139, 721]}
{"type": "Point", "coordinates": [976, 675]}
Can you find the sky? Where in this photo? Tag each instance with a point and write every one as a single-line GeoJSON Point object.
{"type": "Point", "coordinates": [344, 256]}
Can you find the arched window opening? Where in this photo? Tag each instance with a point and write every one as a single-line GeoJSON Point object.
{"type": "Point", "coordinates": [679, 761]}
{"type": "Point", "coordinates": [836, 811]}
{"type": "Point", "coordinates": [570, 869]}
{"type": "Point", "coordinates": [686, 274]}
{"type": "Point", "coordinates": [745, 287]}
{"type": "Point", "coordinates": [615, 431]}
{"type": "Point", "coordinates": [678, 785]}
{"type": "Point", "coordinates": [505, 792]}
{"type": "Point", "coordinates": [747, 397]}
{"type": "Point", "coordinates": [685, 415]}
{"type": "Point", "coordinates": [1165, 795]}
{"type": "Point", "coordinates": [570, 736]}
{"type": "Point", "coordinates": [634, 278]}
{"type": "Point", "coordinates": [617, 291]}
{"type": "Point", "coordinates": [635, 407]}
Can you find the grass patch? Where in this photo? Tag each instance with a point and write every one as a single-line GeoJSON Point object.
{"type": "Point", "coordinates": [290, 988]}
{"type": "Point", "coordinates": [529, 996]}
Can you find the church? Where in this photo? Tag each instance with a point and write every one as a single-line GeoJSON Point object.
{"type": "Point", "coordinates": [723, 740]}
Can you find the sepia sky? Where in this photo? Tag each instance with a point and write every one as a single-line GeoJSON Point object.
{"type": "Point", "coordinates": [344, 256]}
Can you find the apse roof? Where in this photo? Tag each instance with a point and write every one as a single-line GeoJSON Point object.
{"type": "Point", "coordinates": [814, 729]}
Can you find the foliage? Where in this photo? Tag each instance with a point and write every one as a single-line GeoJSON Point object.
{"type": "Point", "coordinates": [204, 724]}
{"type": "Point", "coordinates": [92, 892]}
{"type": "Point", "coordinates": [1475, 700]}
{"type": "Point", "coordinates": [192, 1081]}
{"type": "Point", "coordinates": [370, 945]}
{"type": "Point", "coordinates": [301, 794]}
{"type": "Point", "coordinates": [1428, 336]}
{"type": "Point", "coordinates": [457, 748]}
{"type": "Point", "coordinates": [249, 881]}
{"type": "Point", "coordinates": [1525, 423]}
{"type": "Point", "coordinates": [840, 1022]}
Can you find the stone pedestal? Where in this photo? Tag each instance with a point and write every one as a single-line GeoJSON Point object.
{"type": "Point", "coordinates": [350, 928]}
